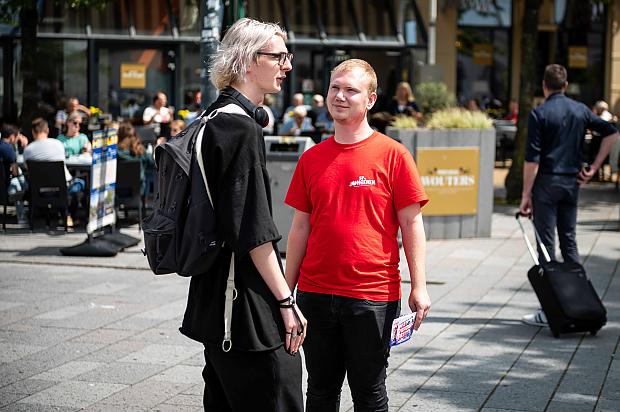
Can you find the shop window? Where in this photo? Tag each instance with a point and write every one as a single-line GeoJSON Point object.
{"type": "Point", "coordinates": [483, 71]}
{"type": "Point", "coordinates": [376, 18]}
{"type": "Point", "coordinates": [150, 17]}
{"type": "Point", "coordinates": [112, 19]}
{"type": "Point", "coordinates": [190, 67]}
{"type": "Point", "coordinates": [496, 13]}
{"type": "Point", "coordinates": [579, 45]}
{"type": "Point", "coordinates": [57, 17]}
{"type": "Point", "coordinates": [337, 19]}
{"type": "Point", "coordinates": [265, 10]}
{"type": "Point", "coordinates": [302, 17]}
{"type": "Point", "coordinates": [187, 14]}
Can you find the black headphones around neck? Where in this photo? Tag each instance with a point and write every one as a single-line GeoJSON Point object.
{"type": "Point", "coordinates": [257, 113]}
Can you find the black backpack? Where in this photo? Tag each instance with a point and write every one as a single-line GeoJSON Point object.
{"type": "Point", "coordinates": [180, 235]}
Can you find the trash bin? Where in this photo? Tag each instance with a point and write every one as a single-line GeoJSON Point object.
{"type": "Point", "coordinates": [282, 156]}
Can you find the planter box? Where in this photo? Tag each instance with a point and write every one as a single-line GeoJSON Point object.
{"type": "Point", "coordinates": [456, 166]}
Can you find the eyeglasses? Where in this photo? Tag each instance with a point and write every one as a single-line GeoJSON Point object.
{"type": "Point", "coordinates": [282, 56]}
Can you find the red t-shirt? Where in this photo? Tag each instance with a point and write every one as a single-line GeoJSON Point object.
{"type": "Point", "coordinates": [352, 193]}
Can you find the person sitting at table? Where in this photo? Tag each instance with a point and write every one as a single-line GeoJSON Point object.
{"type": "Point", "coordinates": [75, 143]}
{"type": "Point", "coordinates": [15, 181]}
{"type": "Point", "coordinates": [73, 106]}
{"type": "Point", "coordinates": [44, 149]}
{"type": "Point", "coordinates": [300, 122]}
{"type": "Point", "coordinates": [403, 102]}
{"type": "Point", "coordinates": [131, 148]}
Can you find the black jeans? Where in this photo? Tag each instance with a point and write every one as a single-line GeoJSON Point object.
{"type": "Point", "coordinates": [554, 201]}
{"type": "Point", "coordinates": [351, 336]}
{"type": "Point", "coordinates": [252, 381]}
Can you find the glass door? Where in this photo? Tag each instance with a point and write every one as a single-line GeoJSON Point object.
{"type": "Point", "coordinates": [129, 78]}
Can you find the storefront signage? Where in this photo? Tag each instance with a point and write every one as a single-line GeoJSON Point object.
{"type": "Point", "coordinates": [450, 177]}
{"type": "Point", "coordinates": [103, 180]}
{"type": "Point", "coordinates": [483, 54]}
{"type": "Point", "coordinates": [133, 76]}
{"type": "Point", "coordinates": [578, 57]}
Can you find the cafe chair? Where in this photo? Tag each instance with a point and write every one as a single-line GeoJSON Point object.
{"type": "Point", "coordinates": [147, 135]}
{"type": "Point", "coordinates": [128, 194]}
{"type": "Point", "coordinates": [48, 190]}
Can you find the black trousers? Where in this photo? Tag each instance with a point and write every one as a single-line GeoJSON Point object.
{"type": "Point", "coordinates": [252, 381]}
{"type": "Point", "coordinates": [351, 336]}
{"type": "Point", "coordinates": [554, 201]}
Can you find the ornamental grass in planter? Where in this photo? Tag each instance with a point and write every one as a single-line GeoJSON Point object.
{"type": "Point", "coordinates": [457, 118]}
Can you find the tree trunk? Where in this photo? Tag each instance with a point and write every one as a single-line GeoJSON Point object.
{"type": "Point", "coordinates": [28, 17]}
{"type": "Point", "coordinates": [529, 41]}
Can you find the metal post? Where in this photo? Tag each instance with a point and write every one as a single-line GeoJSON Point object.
{"type": "Point", "coordinates": [432, 35]}
{"type": "Point", "coordinates": [209, 41]}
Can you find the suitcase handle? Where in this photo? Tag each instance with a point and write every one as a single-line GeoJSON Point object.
{"type": "Point", "coordinates": [530, 248]}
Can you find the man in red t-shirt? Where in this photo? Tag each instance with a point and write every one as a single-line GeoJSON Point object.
{"type": "Point", "coordinates": [351, 194]}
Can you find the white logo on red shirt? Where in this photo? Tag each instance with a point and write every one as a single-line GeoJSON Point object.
{"type": "Point", "coordinates": [362, 181]}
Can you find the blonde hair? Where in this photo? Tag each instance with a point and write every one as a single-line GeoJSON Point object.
{"type": "Point", "coordinates": [238, 50]}
{"type": "Point", "coordinates": [179, 123]}
{"type": "Point", "coordinates": [407, 87]}
{"type": "Point", "coordinates": [369, 72]}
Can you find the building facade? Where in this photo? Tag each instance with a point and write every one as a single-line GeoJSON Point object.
{"type": "Point", "coordinates": [118, 57]}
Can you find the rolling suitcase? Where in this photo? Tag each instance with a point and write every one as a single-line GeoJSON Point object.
{"type": "Point", "coordinates": [565, 293]}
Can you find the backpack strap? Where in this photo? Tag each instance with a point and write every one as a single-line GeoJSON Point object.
{"type": "Point", "coordinates": [231, 292]}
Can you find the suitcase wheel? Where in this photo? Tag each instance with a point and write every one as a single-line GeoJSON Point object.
{"type": "Point", "coordinates": [555, 334]}
{"type": "Point", "coordinates": [593, 332]}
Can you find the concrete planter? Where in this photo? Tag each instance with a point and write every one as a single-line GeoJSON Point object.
{"type": "Point", "coordinates": [476, 221]}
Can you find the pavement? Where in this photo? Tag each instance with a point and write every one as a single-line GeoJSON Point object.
{"type": "Point", "coordinates": [101, 334]}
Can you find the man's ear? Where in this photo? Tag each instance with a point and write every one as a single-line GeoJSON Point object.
{"type": "Point", "coordinates": [372, 99]}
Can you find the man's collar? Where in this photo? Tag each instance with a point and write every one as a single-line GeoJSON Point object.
{"type": "Point", "coordinates": [554, 94]}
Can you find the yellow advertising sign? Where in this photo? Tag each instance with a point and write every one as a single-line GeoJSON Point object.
{"type": "Point", "coordinates": [450, 177]}
{"type": "Point", "coordinates": [133, 76]}
{"type": "Point", "coordinates": [578, 57]}
{"type": "Point", "coordinates": [483, 54]}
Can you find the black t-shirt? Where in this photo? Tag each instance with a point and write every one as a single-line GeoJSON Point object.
{"type": "Point", "coordinates": [234, 153]}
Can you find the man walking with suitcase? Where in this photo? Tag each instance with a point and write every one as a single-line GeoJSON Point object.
{"type": "Point", "coordinates": [553, 172]}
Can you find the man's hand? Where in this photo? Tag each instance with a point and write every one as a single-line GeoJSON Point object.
{"type": "Point", "coordinates": [525, 208]}
{"type": "Point", "coordinates": [585, 175]}
{"type": "Point", "coordinates": [295, 331]}
{"type": "Point", "coordinates": [419, 302]}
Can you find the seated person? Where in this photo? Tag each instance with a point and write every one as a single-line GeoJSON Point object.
{"type": "Point", "coordinates": [44, 149]}
{"type": "Point", "coordinates": [404, 102]}
{"type": "Point", "coordinates": [75, 143]}
{"type": "Point", "coordinates": [131, 148]}
{"type": "Point", "coordinates": [15, 182]}
{"type": "Point", "coordinates": [300, 122]}
{"type": "Point", "coordinates": [73, 106]}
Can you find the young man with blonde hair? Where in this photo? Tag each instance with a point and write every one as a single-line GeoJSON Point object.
{"type": "Point", "coordinates": [255, 368]}
{"type": "Point", "coordinates": [351, 194]}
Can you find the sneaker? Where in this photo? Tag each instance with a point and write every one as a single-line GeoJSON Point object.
{"type": "Point", "coordinates": [537, 318]}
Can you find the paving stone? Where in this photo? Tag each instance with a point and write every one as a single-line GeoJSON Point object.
{"type": "Point", "coordinates": [161, 354]}
{"type": "Point", "coordinates": [145, 394]}
{"type": "Point", "coordinates": [25, 407]}
{"type": "Point", "coordinates": [607, 405]}
{"type": "Point", "coordinates": [27, 386]}
{"type": "Point", "coordinates": [529, 394]}
{"type": "Point", "coordinates": [163, 407]}
{"type": "Point", "coordinates": [180, 374]}
{"type": "Point", "coordinates": [73, 394]}
{"type": "Point", "coordinates": [67, 371]}
{"type": "Point", "coordinates": [572, 401]}
{"type": "Point", "coordinates": [119, 372]}
{"type": "Point", "coordinates": [13, 351]}
{"type": "Point", "coordinates": [427, 400]}
{"type": "Point", "coordinates": [185, 400]}
{"type": "Point", "coordinates": [105, 288]}
{"type": "Point", "coordinates": [463, 380]}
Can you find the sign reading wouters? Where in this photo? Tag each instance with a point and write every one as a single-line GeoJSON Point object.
{"type": "Point", "coordinates": [450, 177]}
